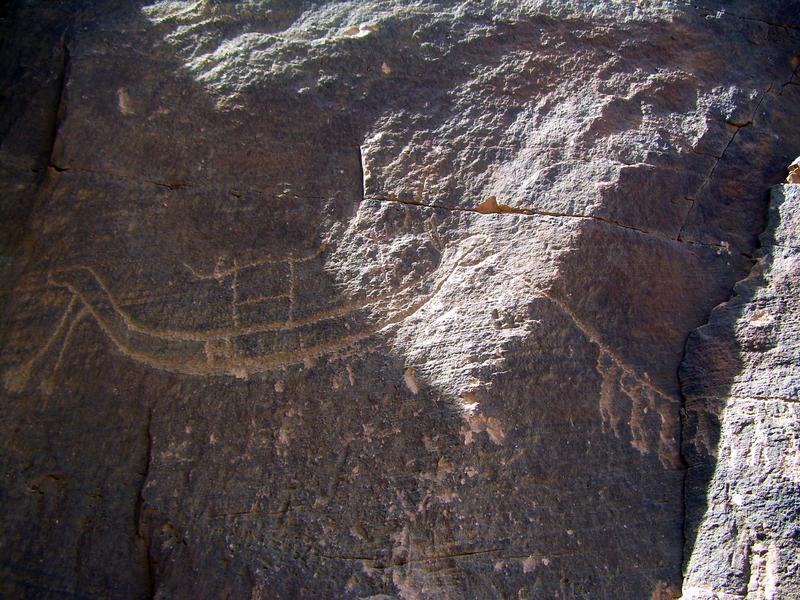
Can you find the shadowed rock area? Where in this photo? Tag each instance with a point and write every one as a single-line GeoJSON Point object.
{"type": "Point", "coordinates": [742, 439]}
{"type": "Point", "coordinates": [389, 299]}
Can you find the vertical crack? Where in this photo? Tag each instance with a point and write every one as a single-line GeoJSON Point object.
{"type": "Point", "coordinates": [791, 80]}
{"type": "Point", "coordinates": [689, 538]}
{"type": "Point", "coordinates": [60, 99]}
{"type": "Point", "coordinates": [361, 171]}
{"type": "Point", "coordinates": [138, 511]}
{"type": "Point", "coordinates": [694, 198]}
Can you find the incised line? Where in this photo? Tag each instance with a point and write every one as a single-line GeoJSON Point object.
{"type": "Point", "coordinates": [18, 377]}
{"type": "Point", "coordinates": [229, 364]}
{"type": "Point", "coordinates": [218, 274]}
{"type": "Point", "coordinates": [594, 337]}
{"type": "Point", "coordinates": [222, 332]}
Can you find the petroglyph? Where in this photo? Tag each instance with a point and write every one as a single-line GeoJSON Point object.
{"type": "Point", "coordinates": [237, 350]}
{"type": "Point", "coordinates": [627, 398]}
{"type": "Point", "coordinates": [18, 377]}
{"type": "Point", "coordinates": [220, 272]}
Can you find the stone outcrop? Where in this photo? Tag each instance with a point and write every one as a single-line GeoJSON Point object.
{"type": "Point", "coordinates": [389, 299]}
{"type": "Point", "coordinates": [742, 440]}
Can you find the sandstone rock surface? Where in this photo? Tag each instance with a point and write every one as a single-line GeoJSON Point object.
{"type": "Point", "coordinates": [388, 299]}
{"type": "Point", "coordinates": [742, 386]}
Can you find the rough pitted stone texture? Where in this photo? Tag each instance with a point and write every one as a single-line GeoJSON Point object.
{"type": "Point", "coordinates": [742, 385]}
{"type": "Point", "coordinates": [369, 299]}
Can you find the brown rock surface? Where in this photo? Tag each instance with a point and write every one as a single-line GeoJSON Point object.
{"type": "Point", "coordinates": [264, 337]}
{"type": "Point", "coordinates": [742, 440]}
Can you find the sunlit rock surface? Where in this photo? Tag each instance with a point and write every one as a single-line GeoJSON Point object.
{"type": "Point", "coordinates": [376, 299]}
{"type": "Point", "coordinates": [742, 386]}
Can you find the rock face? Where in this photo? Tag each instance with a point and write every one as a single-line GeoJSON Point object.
{"type": "Point", "coordinates": [389, 299]}
{"type": "Point", "coordinates": [742, 386]}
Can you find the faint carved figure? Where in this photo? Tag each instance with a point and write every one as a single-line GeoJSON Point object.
{"type": "Point", "coordinates": [239, 350]}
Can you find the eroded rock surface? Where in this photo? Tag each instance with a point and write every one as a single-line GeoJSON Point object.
{"type": "Point", "coordinates": [742, 387]}
{"type": "Point", "coordinates": [369, 299]}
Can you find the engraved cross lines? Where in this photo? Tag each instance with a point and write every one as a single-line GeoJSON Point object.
{"type": "Point", "coordinates": [218, 350]}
